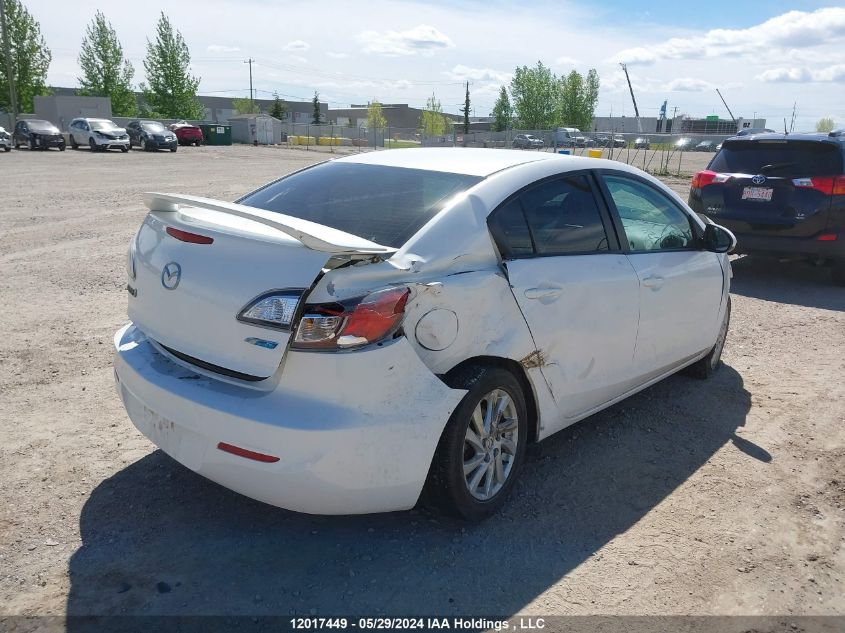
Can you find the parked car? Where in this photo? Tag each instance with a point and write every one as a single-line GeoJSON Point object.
{"type": "Point", "coordinates": [478, 320]}
{"type": "Point", "coordinates": [5, 140]}
{"type": "Point", "coordinates": [755, 130]}
{"type": "Point", "coordinates": [705, 146]}
{"type": "Point", "coordinates": [606, 140]}
{"type": "Point", "coordinates": [642, 142]}
{"type": "Point", "coordinates": [527, 141]}
{"type": "Point", "coordinates": [782, 195]}
{"type": "Point", "coordinates": [151, 136]}
{"type": "Point", "coordinates": [584, 141]}
{"type": "Point", "coordinates": [683, 144]}
{"type": "Point", "coordinates": [37, 134]}
{"type": "Point", "coordinates": [187, 134]}
{"type": "Point", "coordinates": [98, 134]}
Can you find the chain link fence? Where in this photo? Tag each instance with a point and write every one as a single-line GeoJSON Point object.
{"type": "Point", "coordinates": [662, 154]}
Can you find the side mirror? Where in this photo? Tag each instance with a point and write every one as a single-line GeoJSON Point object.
{"type": "Point", "coordinates": [718, 239]}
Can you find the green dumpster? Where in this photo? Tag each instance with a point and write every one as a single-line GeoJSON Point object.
{"type": "Point", "coordinates": [215, 134]}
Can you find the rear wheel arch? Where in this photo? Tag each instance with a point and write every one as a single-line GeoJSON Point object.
{"type": "Point", "coordinates": [457, 375]}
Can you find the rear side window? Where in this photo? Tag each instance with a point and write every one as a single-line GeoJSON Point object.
{"type": "Point", "coordinates": [385, 205]}
{"type": "Point", "coordinates": [787, 159]}
{"type": "Point", "coordinates": [557, 217]}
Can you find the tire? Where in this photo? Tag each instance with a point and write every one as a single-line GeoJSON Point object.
{"type": "Point", "coordinates": [708, 365]}
{"type": "Point", "coordinates": [92, 145]}
{"type": "Point", "coordinates": [142, 144]}
{"type": "Point", "coordinates": [174, 148]}
{"type": "Point", "coordinates": [198, 143]}
{"type": "Point", "coordinates": [481, 492]}
{"type": "Point", "coordinates": [124, 148]}
{"type": "Point", "coordinates": [62, 147]}
{"type": "Point", "coordinates": [837, 272]}
{"type": "Point", "coordinates": [7, 148]}
{"type": "Point", "coordinates": [73, 143]}
{"type": "Point", "coordinates": [31, 144]}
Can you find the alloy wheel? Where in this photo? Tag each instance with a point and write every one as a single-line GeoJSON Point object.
{"type": "Point", "coordinates": [490, 444]}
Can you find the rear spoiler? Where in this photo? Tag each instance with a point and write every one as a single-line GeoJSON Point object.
{"type": "Point", "coordinates": [310, 234]}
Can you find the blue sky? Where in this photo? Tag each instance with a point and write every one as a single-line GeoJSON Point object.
{"type": "Point", "coordinates": [763, 56]}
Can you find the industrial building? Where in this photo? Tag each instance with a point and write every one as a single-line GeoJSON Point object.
{"type": "Point", "coordinates": [398, 115]}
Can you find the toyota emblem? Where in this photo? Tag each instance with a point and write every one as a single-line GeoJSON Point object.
{"type": "Point", "coordinates": [171, 274]}
{"type": "Point", "coordinates": [759, 179]}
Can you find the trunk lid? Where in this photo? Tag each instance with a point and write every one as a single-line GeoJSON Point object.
{"type": "Point", "coordinates": [186, 295]}
{"type": "Point", "coordinates": [761, 195]}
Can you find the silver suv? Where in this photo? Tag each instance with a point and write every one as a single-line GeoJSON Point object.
{"type": "Point", "coordinates": [98, 134]}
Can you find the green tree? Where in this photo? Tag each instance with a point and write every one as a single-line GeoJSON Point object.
{"type": "Point", "coordinates": [577, 99]}
{"type": "Point", "coordinates": [502, 112]}
{"type": "Point", "coordinates": [30, 58]}
{"type": "Point", "coordinates": [825, 125]}
{"type": "Point", "coordinates": [316, 118]}
{"type": "Point", "coordinates": [432, 121]}
{"type": "Point", "coordinates": [171, 89]}
{"type": "Point", "coordinates": [375, 116]}
{"type": "Point", "coordinates": [245, 105]}
{"type": "Point", "coordinates": [535, 96]}
{"type": "Point", "coordinates": [278, 109]}
{"type": "Point", "coordinates": [466, 110]}
{"type": "Point", "coordinates": [105, 72]}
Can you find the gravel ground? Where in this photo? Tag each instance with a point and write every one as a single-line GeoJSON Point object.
{"type": "Point", "coordinates": [717, 497]}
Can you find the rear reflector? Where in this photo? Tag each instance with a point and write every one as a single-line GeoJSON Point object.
{"type": "Point", "coordinates": [827, 237]}
{"type": "Point", "coordinates": [192, 238]}
{"type": "Point", "coordinates": [242, 452]}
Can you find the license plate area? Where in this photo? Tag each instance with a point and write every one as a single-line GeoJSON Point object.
{"type": "Point", "coordinates": [762, 194]}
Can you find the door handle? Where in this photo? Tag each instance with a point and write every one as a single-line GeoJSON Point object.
{"type": "Point", "coordinates": [548, 292]}
{"type": "Point", "coordinates": [655, 282]}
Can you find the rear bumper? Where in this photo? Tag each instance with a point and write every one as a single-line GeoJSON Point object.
{"type": "Point", "coordinates": [792, 246]}
{"type": "Point", "coordinates": [354, 432]}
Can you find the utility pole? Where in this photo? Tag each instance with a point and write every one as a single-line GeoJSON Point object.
{"type": "Point", "coordinates": [251, 100]}
{"type": "Point", "coordinates": [13, 104]}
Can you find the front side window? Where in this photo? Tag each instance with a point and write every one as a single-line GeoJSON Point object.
{"type": "Point", "coordinates": [651, 221]}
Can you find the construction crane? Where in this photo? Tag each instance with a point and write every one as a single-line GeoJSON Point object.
{"type": "Point", "coordinates": [633, 98]}
{"type": "Point", "coordinates": [726, 106]}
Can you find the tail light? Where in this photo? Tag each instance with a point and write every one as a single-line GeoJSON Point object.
{"type": "Point", "coordinates": [828, 185]}
{"type": "Point", "coordinates": [351, 324]}
{"type": "Point", "coordinates": [707, 177]}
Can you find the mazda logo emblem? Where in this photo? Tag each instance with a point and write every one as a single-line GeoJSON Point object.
{"type": "Point", "coordinates": [758, 180]}
{"type": "Point", "coordinates": [171, 274]}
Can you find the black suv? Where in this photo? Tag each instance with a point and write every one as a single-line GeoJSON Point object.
{"type": "Point", "coordinates": [779, 194]}
{"type": "Point", "coordinates": [37, 134]}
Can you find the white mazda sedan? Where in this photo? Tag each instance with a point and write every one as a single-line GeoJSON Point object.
{"type": "Point", "coordinates": [402, 324]}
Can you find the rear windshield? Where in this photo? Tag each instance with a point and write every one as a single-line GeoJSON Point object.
{"type": "Point", "coordinates": [385, 205]}
{"type": "Point", "coordinates": [789, 159]}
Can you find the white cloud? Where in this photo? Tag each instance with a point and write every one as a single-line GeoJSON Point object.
{"type": "Point", "coordinates": [465, 73]}
{"type": "Point", "coordinates": [336, 55]}
{"type": "Point", "coordinates": [422, 39]}
{"type": "Point", "coordinates": [297, 45]}
{"type": "Point", "coordinates": [803, 74]}
{"type": "Point", "coordinates": [801, 29]}
{"type": "Point", "coordinates": [567, 61]}
{"type": "Point", "coordinates": [219, 48]}
{"type": "Point", "coordinates": [688, 84]}
{"type": "Point", "coordinates": [298, 59]}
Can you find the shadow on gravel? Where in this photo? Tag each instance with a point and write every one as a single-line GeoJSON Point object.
{"type": "Point", "coordinates": [798, 283]}
{"type": "Point", "coordinates": [159, 539]}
